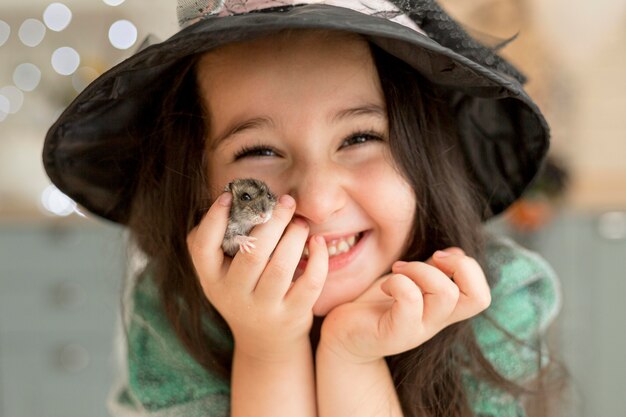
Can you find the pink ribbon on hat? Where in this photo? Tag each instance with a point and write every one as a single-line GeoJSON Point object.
{"type": "Point", "coordinates": [191, 11]}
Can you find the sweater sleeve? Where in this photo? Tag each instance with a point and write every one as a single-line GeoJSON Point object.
{"type": "Point", "coordinates": [511, 333]}
{"type": "Point", "coordinates": [162, 378]}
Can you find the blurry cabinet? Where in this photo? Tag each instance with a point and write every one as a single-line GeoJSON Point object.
{"type": "Point", "coordinates": [59, 302]}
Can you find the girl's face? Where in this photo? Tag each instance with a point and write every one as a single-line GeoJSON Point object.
{"type": "Point", "coordinates": [305, 113]}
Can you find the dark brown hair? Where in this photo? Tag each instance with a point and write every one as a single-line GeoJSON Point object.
{"type": "Point", "coordinates": [171, 191]}
{"type": "Point", "coordinates": [448, 213]}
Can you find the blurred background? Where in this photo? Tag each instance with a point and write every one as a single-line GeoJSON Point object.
{"type": "Point", "coordinates": [61, 270]}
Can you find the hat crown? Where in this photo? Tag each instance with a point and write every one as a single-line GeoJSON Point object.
{"type": "Point", "coordinates": [191, 11]}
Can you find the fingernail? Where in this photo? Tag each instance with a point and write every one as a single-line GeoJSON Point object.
{"type": "Point", "coordinates": [287, 201]}
{"type": "Point", "coordinates": [225, 199]}
{"type": "Point", "coordinates": [441, 254]}
{"type": "Point", "coordinates": [320, 240]}
{"type": "Point", "coordinates": [399, 264]}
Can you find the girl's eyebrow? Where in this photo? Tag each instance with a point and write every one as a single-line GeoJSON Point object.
{"type": "Point", "coordinates": [365, 110]}
{"type": "Point", "coordinates": [238, 127]}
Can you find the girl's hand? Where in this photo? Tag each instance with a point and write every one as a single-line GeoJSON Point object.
{"type": "Point", "coordinates": [266, 312]}
{"type": "Point", "coordinates": [406, 308]}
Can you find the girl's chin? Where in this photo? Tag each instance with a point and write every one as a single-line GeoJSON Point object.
{"type": "Point", "coordinates": [335, 294]}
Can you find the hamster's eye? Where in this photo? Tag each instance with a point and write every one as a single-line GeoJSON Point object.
{"type": "Point", "coordinates": [245, 197]}
{"type": "Point", "coordinates": [269, 196]}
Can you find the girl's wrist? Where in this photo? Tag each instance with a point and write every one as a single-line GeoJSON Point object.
{"type": "Point", "coordinates": [281, 351]}
{"type": "Point", "coordinates": [335, 353]}
{"type": "Point", "coordinates": [352, 385]}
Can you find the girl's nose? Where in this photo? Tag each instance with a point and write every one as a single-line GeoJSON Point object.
{"type": "Point", "coordinates": [319, 194]}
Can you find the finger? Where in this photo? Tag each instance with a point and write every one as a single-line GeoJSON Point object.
{"type": "Point", "coordinates": [475, 294]}
{"type": "Point", "coordinates": [372, 293]}
{"type": "Point", "coordinates": [451, 249]}
{"type": "Point", "coordinates": [407, 309]}
{"type": "Point", "coordinates": [307, 288]}
{"type": "Point", "coordinates": [440, 293]}
{"type": "Point", "coordinates": [277, 277]}
{"type": "Point", "coordinates": [246, 267]}
{"type": "Point", "coordinates": [204, 242]}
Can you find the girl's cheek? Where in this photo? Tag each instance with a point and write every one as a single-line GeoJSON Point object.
{"type": "Point", "coordinates": [386, 190]}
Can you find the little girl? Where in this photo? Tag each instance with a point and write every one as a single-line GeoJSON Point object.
{"type": "Point", "coordinates": [390, 136]}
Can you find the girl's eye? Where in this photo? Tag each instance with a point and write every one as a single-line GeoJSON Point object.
{"type": "Point", "coordinates": [360, 138]}
{"type": "Point", "coordinates": [254, 152]}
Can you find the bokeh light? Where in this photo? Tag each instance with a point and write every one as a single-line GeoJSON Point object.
{"type": "Point", "coordinates": [113, 2]}
{"type": "Point", "coordinates": [31, 32]}
{"type": "Point", "coordinates": [26, 76]}
{"type": "Point", "coordinates": [57, 203]}
{"type": "Point", "coordinates": [122, 34]}
{"type": "Point", "coordinates": [65, 60]}
{"type": "Point", "coordinates": [57, 16]}
{"type": "Point", "coordinates": [5, 32]}
{"type": "Point", "coordinates": [15, 97]}
{"type": "Point", "coordinates": [4, 107]}
{"type": "Point", "coordinates": [612, 225]}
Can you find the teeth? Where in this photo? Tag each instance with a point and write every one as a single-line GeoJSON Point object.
{"type": "Point", "coordinates": [336, 247]}
{"type": "Point", "coordinates": [343, 247]}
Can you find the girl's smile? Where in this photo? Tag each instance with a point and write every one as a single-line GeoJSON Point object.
{"type": "Point", "coordinates": [305, 113]}
{"type": "Point", "coordinates": [341, 250]}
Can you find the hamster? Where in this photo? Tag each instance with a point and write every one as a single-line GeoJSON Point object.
{"type": "Point", "coordinates": [252, 204]}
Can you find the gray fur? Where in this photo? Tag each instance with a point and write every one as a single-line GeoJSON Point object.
{"type": "Point", "coordinates": [244, 212]}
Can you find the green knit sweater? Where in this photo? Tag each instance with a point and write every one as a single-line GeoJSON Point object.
{"type": "Point", "coordinates": [161, 379]}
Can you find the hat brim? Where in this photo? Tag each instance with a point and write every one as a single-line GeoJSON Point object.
{"type": "Point", "coordinates": [89, 155]}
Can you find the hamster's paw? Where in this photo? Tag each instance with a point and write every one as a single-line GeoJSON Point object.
{"type": "Point", "coordinates": [245, 243]}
